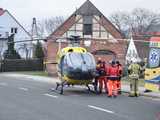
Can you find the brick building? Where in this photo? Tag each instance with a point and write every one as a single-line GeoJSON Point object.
{"type": "Point", "coordinates": [88, 22]}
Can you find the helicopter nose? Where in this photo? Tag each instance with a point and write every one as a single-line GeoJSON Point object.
{"type": "Point", "coordinates": [81, 74]}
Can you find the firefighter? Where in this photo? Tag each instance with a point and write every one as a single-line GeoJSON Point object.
{"type": "Point", "coordinates": [119, 76]}
{"type": "Point", "coordinates": [113, 73]}
{"type": "Point", "coordinates": [101, 75]}
{"type": "Point", "coordinates": [134, 70]}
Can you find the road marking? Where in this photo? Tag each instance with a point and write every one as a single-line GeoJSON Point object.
{"type": "Point", "coordinates": [3, 84]}
{"type": "Point", "coordinates": [24, 89]}
{"type": "Point", "coordinates": [53, 96]}
{"type": "Point", "coordinates": [101, 109]}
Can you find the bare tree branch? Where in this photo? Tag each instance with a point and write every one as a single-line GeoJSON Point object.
{"type": "Point", "coordinates": [136, 21]}
{"type": "Point", "coordinates": [47, 26]}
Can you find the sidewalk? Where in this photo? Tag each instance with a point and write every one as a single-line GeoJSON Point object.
{"type": "Point", "coordinates": [126, 89]}
{"type": "Point", "coordinates": [31, 77]}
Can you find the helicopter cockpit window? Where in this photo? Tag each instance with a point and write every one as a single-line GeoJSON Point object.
{"type": "Point", "coordinates": [77, 60]}
{"type": "Point", "coordinates": [154, 58]}
{"type": "Point", "coordinates": [89, 60]}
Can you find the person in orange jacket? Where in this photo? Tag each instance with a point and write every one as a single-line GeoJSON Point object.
{"type": "Point", "coordinates": [101, 78]}
{"type": "Point", "coordinates": [119, 78]}
{"type": "Point", "coordinates": [113, 73]}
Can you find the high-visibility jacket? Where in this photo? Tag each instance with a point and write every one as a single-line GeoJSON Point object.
{"type": "Point", "coordinates": [134, 70]}
{"type": "Point", "coordinates": [113, 72]}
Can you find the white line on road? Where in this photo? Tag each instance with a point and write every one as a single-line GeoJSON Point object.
{"type": "Point", "coordinates": [101, 109]}
{"type": "Point", "coordinates": [3, 84]}
{"type": "Point", "coordinates": [53, 96]}
{"type": "Point", "coordinates": [24, 89]}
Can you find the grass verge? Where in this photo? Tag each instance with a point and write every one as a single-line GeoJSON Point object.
{"type": "Point", "coordinates": [36, 73]}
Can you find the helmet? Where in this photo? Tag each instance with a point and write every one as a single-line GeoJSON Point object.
{"type": "Point", "coordinates": [134, 60]}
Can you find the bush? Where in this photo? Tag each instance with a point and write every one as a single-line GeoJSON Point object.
{"type": "Point", "coordinates": [39, 51]}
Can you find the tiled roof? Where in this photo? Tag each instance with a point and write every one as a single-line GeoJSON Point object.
{"type": "Point", "coordinates": [154, 28]}
{"type": "Point", "coordinates": [88, 9]}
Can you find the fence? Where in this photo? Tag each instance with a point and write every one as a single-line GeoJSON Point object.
{"type": "Point", "coordinates": [9, 65]}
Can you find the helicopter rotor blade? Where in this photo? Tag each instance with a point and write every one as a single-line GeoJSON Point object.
{"type": "Point", "coordinates": [81, 38]}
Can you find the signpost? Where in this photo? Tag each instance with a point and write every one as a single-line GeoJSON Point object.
{"type": "Point", "coordinates": [132, 52]}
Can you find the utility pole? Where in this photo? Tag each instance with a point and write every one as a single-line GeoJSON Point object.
{"type": "Point", "coordinates": [34, 29]}
{"type": "Point", "coordinates": [34, 35]}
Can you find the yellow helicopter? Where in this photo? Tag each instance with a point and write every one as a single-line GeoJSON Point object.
{"type": "Point", "coordinates": [75, 66]}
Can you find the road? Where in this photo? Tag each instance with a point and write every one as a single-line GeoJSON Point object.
{"type": "Point", "coordinates": [26, 99]}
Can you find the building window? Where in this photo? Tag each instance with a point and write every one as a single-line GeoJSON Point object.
{"type": "Point", "coordinates": [87, 29]}
{"type": "Point", "coordinates": [13, 30]}
{"type": "Point", "coordinates": [87, 25]}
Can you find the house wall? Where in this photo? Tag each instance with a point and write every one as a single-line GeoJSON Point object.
{"type": "Point", "coordinates": [7, 22]}
{"type": "Point", "coordinates": [98, 31]}
{"type": "Point", "coordinates": [3, 46]}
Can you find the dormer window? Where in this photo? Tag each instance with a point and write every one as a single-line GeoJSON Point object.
{"type": "Point", "coordinates": [87, 29]}
{"type": "Point", "coordinates": [14, 30]}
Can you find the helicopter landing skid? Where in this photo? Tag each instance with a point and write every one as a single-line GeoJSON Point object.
{"type": "Point", "coordinates": [94, 90]}
{"type": "Point", "coordinates": [60, 86]}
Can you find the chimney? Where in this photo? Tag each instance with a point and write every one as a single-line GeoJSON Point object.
{"type": "Point", "coordinates": [1, 11]}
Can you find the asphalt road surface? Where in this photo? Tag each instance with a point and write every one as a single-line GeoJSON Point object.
{"type": "Point", "coordinates": [26, 99]}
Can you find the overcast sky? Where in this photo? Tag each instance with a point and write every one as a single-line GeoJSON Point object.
{"type": "Point", "coordinates": [25, 10]}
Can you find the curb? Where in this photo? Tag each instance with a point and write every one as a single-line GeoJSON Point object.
{"type": "Point", "coordinates": [143, 94]}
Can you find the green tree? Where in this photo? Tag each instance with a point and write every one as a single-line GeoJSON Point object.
{"type": "Point", "coordinates": [39, 51]}
{"type": "Point", "coordinates": [11, 53]}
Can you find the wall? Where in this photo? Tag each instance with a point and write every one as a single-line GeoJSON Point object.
{"type": "Point", "coordinates": [8, 22]}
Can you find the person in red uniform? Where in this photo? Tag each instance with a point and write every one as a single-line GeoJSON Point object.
{"type": "Point", "coordinates": [119, 76]}
{"type": "Point", "coordinates": [101, 75]}
{"type": "Point", "coordinates": [113, 73]}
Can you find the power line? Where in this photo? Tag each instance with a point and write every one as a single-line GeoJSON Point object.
{"type": "Point", "coordinates": [67, 38]}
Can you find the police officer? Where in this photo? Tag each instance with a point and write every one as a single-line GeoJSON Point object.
{"type": "Point", "coordinates": [113, 72]}
{"type": "Point", "coordinates": [134, 70]}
